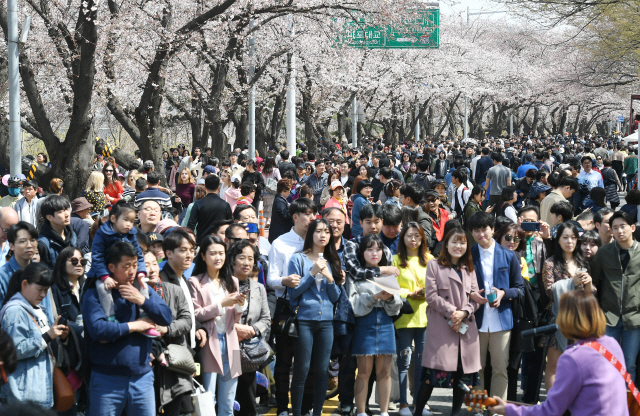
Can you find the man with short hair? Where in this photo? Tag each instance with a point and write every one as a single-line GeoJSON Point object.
{"type": "Point", "coordinates": [206, 211]}
{"type": "Point", "coordinates": [423, 178]}
{"type": "Point", "coordinates": [149, 215]}
{"type": "Point", "coordinates": [56, 232]}
{"type": "Point", "coordinates": [285, 165]}
{"type": "Point", "coordinates": [497, 272]}
{"type": "Point", "coordinates": [153, 192]}
{"type": "Point", "coordinates": [236, 169]}
{"type": "Point", "coordinates": [462, 192]}
{"type": "Point", "coordinates": [235, 232]}
{"type": "Point", "coordinates": [391, 226]}
{"type": "Point", "coordinates": [8, 217]}
{"type": "Point", "coordinates": [587, 180]}
{"type": "Point", "coordinates": [563, 192]}
{"type": "Point", "coordinates": [303, 211]}
{"type": "Point", "coordinates": [631, 167]}
{"type": "Point", "coordinates": [586, 220]}
{"type": "Point", "coordinates": [522, 170]}
{"type": "Point", "coordinates": [318, 181]}
{"type": "Point", "coordinates": [28, 208]}
{"type": "Point", "coordinates": [482, 166]}
{"type": "Point", "coordinates": [121, 375]}
{"type": "Point", "coordinates": [615, 270]}
{"type": "Point", "coordinates": [219, 228]}
{"type": "Point", "coordinates": [23, 242]}
{"type": "Point", "coordinates": [498, 177]}
{"type": "Point", "coordinates": [601, 222]}
{"type": "Point", "coordinates": [411, 195]}
{"type": "Point", "coordinates": [179, 248]}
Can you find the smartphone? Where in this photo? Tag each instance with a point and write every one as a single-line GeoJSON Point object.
{"type": "Point", "coordinates": [463, 327]}
{"type": "Point", "coordinates": [530, 226]}
{"type": "Point", "coordinates": [252, 227]}
{"type": "Point", "coordinates": [63, 320]}
{"type": "Point", "coordinates": [244, 292]}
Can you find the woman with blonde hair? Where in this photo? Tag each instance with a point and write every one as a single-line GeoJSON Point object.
{"type": "Point", "coordinates": [94, 192]}
{"type": "Point", "coordinates": [587, 381]}
{"type": "Point", "coordinates": [225, 182]}
{"type": "Point", "coordinates": [130, 186]}
{"type": "Point", "coordinates": [186, 187]}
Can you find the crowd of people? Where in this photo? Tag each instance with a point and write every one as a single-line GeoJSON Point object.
{"type": "Point", "coordinates": [407, 267]}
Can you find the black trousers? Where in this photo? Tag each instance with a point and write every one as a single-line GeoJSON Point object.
{"type": "Point", "coordinates": [246, 394]}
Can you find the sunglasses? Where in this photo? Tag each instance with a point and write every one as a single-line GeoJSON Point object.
{"type": "Point", "coordinates": [75, 261]}
{"type": "Point", "coordinates": [109, 170]}
{"type": "Point", "coordinates": [509, 237]}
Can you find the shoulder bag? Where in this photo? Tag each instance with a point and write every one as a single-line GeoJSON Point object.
{"type": "Point", "coordinates": [180, 359]}
{"type": "Point", "coordinates": [255, 352]}
{"type": "Point", "coordinates": [285, 320]}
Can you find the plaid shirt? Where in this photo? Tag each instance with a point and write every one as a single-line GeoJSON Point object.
{"type": "Point", "coordinates": [352, 264]}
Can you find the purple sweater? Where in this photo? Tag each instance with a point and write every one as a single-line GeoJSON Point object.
{"type": "Point", "coordinates": [586, 384]}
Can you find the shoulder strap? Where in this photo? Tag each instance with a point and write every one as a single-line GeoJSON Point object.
{"type": "Point", "coordinates": [614, 361]}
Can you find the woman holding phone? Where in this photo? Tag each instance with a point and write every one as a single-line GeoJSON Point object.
{"type": "Point", "coordinates": [313, 298]}
{"type": "Point", "coordinates": [452, 347]}
{"type": "Point", "coordinates": [567, 262]}
{"type": "Point", "coordinates": [218, 306]}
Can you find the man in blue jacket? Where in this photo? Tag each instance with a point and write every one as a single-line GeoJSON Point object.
{"type": "Point", "coordinates": [499, 277]}
{"type": "Point", "coordinates": [121, 377]}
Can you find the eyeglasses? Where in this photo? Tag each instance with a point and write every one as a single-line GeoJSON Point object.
{"type": "Point", "coordinates": [509, 237]}
{"type": "Point", "coordinates": [75, 261]}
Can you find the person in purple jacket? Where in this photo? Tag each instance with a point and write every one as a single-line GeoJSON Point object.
{"type": "Point", "coordinates": [587, 384]}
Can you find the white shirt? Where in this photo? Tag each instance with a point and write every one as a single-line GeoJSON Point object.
{"type": "Point", "coordinates": [474, 163]}
{"type": "Point", "coordinates": [3, 253]}
{"type": "Point", "coordinates": [217, 296]}
{"type": "Point", "coordinates": [282, 249]}
{"type": "Point", "coordinates": [491, 319]}
{"type": "Point", "coordinates": [343, 179]}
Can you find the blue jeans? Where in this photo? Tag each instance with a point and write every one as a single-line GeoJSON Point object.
{"type": "Point", "coordinates": [110, 395]}
{"type": "Point", "coordinates": [316, 336]}
{"type": "Point", "coordinates": [629, 340]}
{"type": "Point", "coordinates": [403, 345]}
{"type": "Point", "coordinates": [226, 385]}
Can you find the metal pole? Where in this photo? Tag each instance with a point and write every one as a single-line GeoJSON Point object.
{"type": "Point", "coordinates": [466, 118]}
{"type": "Point", "coordinates": [354, 124]}
{"type": "Point", "coordinates": [609, 127]}
{"type": "Point", "coordinates": [417, 133]}
{"type": "Point", "coordinates": [252, 96]}
{"type": "Point", "coordinates": [14, 90]}
{"type": "Point", "coordinates": [291, 99]}
{"type": "Point", "coordinates": [510, 125]}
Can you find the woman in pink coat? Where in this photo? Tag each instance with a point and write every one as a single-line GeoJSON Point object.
{"type": "Point", "coordinates": [452, 348]}
{"type": "Point", "coordinates": [218, 306]}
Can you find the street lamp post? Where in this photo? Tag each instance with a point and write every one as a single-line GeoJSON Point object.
{"type": "Point", "coordinates": [291, 98]}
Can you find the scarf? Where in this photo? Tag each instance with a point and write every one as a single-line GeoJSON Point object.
{"type": "Point", "coordinates": [158, 287]}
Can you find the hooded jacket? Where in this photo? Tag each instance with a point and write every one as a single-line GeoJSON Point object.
{"type": "Point", "coordinates": [231, 196]}
{"type": "Point", "coordinates": [54, 241]}
{"type": "Point", "coordinates": [105, 237]}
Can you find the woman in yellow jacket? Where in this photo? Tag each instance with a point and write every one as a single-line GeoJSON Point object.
{"type": "Point", "coordinates": [411, 260]}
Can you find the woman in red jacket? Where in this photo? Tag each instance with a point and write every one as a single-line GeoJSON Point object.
{"type": "Point", "coordinates": [112, 187]}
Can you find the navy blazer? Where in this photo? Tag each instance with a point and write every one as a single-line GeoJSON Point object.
{"type": "Point", "coordinates": [507, 276]}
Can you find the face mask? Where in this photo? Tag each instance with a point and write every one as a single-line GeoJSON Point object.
{"type": "Point", "coordinates": [14, 191]}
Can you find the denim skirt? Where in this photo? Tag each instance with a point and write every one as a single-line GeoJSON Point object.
{"type": "Point", "coordinates": [374, 334]}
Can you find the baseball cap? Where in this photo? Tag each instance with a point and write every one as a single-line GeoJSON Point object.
{"type": "Point", "coordinates": [155, 237]}
{"type": "Point", "coordinates": [432, 193]}
{"type": "Point", "coordinates": [209, 169]}
{"type": "Point", "coordinates": [148, 165]}
{"type": "Point", "coordinates": [80, 204]}
{"type": "Point", "coordinates": [301, 166]}
{"type": "Point", "coordinates": [336, 184]}
{"type": "Point", "coordinates": [537, 188]}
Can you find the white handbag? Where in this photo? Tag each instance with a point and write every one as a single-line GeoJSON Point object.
{"type": "Point", "coordinates": [202, 399]}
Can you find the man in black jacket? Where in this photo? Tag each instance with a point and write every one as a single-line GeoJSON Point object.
{"type": "Point", "coordinates": [206, 211]}
{"type": "Point", "coordinates": [286, 165]}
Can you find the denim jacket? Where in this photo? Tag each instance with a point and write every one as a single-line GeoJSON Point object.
{"type": "Point", "coordinates": [33, 378]}
{"type": "Point", "coordinates": [314, 304]}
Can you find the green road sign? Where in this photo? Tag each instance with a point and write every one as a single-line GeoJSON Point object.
{"type": "Point", "coordinates": [421, 32]}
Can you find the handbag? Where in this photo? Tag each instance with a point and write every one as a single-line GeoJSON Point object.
{"type": "Point", "coordinates": [180, 359]}
{"type": "Point", "coordinates": [287, 321]}
{"type": "Point", "coordinates": [202, 400]}
{"type": "Point", "coordinates": [63, 398]}
{"type": "Point", "coordinates": [255, 352]}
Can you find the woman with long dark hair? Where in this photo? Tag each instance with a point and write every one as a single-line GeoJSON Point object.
{"type": "Point", "coordinates": [452, 346]}
{"type": "Point", "coordinates": [411, 261]}
{"type": "Point", "coordinates": [27, 324]}
{"type": "Point", "coordinates": [218, 305]}
{"type": "Point", "coordinates": [441, 165]}
{"type": "Point", "coordinates": [113, 189]}
{"type": "Point", "coordinates": [314, 297]}
{"type": "Point", "coordinates": [567, 262]}
{"type": "Point", "coordinates": [250, 174]}
{"type": "Point", "coordinates": [69, 277]}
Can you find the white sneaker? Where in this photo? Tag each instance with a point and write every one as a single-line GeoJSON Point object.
{"type": "Point", "coordinates": [405, 411]}
{"type": "Point", "coordinates": [426, 411]}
